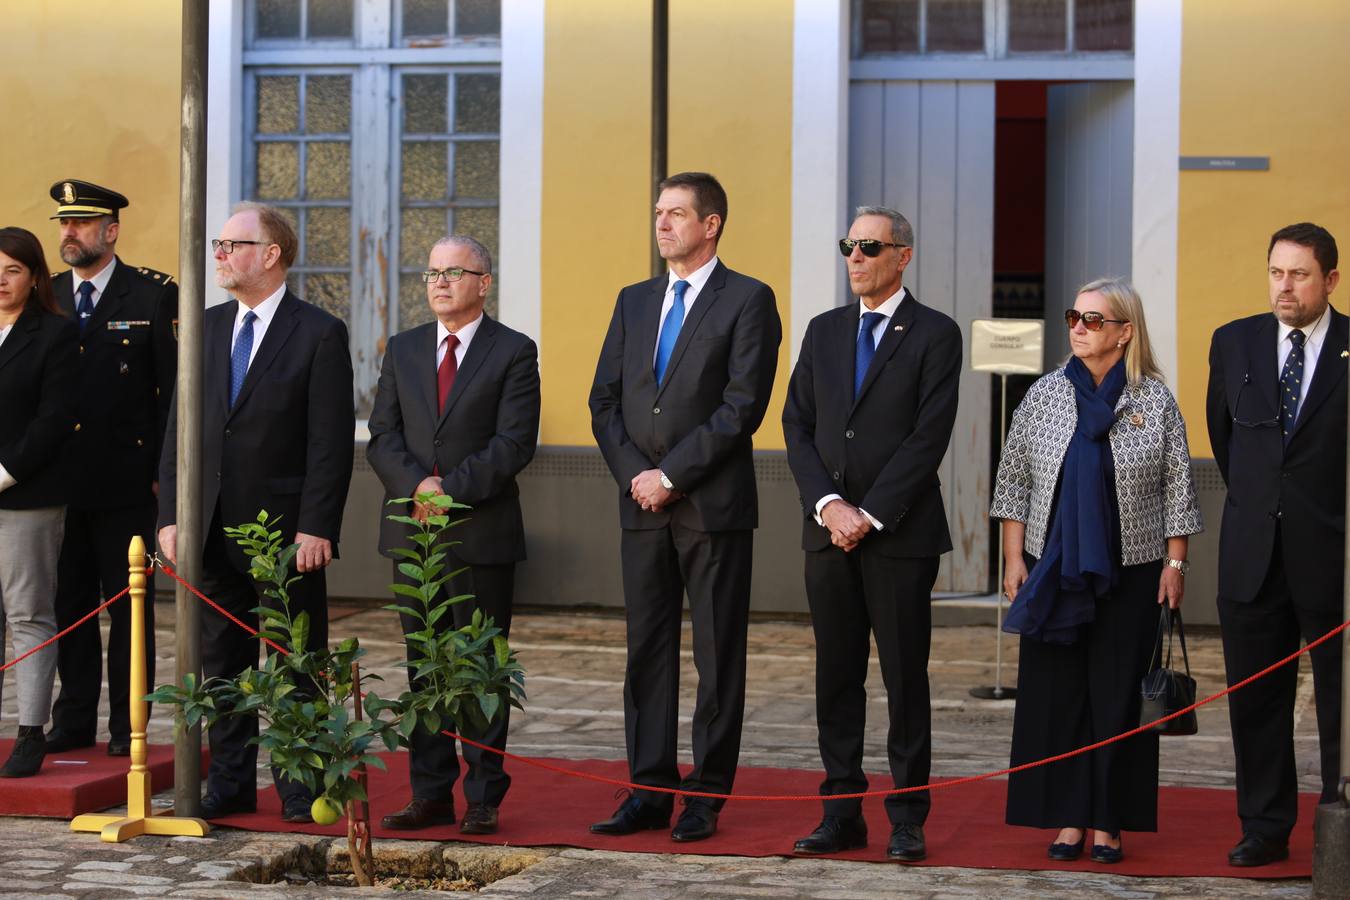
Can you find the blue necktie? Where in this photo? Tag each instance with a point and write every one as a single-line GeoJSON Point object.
{"type": "Point", "coordinates": [670, 330]}
{"type": "Point", "coordinates": [85, 308]}
{"type": "Point", "coordinates": [867, 348]}
{"type": "Point", "coordinates": [1291, 378]}
{"type": "Point", "coordinates": [243, 348]}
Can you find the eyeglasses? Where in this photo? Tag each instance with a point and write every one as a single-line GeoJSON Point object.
{"type": "Point", "coordinates": [1092, 321]}
{"type": "Point", "coordinates": [869, 247]}
{"type": "Point", "coordinates": [228, 246]}
{"type": "Point", "coordinates": [431, 276]}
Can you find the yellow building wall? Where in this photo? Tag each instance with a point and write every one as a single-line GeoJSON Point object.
{"type": "Point", "coordinates": [1256, 80]}
{"type": "Point", "coordinates": [730, 113]}
{"type": "Point", "coordinates": [91, 91]}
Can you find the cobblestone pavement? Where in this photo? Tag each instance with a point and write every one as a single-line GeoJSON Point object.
{"type": "Point", "coordinates": [575, 664]}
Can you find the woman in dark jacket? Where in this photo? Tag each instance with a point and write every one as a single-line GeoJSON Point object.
{"type": "Point", "coordinates": [38, 353]}
{"type": "Point", "coordinates": [1095, 493]}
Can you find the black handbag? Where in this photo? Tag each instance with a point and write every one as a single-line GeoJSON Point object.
{"type": "Point", "coordinates": [1165, 690]}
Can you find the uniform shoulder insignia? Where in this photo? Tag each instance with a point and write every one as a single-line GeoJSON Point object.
{"type": "Point", "coordinates": [157, 277]}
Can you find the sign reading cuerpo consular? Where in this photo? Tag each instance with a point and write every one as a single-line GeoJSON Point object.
{"type": "Point", "coordinates": [1007, 346]}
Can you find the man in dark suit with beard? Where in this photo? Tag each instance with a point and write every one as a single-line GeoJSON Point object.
{"type": "Point", "coordinates": [127, 365]}
{"type": "Point", "coordinates": [278, 432]}
{"type": "Point", "coordinates": [682, 384]}
{"type": "Point", "coordinates": [457, 413]}
{"type": "Point", "coordinates": [868, 417]}
{"type": "Point", "coordinates": [1277, 423]}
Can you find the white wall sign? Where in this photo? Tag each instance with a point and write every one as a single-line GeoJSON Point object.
{"type": "Point", "coordinates": [1007, 346]}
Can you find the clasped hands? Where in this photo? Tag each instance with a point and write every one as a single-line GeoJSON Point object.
{"type": "Point", "coordinates": [315, 552]}
{"type": "Point", "coordinates": [846, 522]}
{"type": "Point", "coordinates": [650, 494]}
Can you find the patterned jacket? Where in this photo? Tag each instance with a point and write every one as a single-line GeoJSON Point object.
{"type": "Point", "coordinates": [1154, 489]}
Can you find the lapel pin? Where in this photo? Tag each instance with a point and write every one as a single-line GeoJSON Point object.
{"type": "Point", "coordinates": [899, 328]}
{"type": "Point", "coordinates": [1345, 354]}
{"type": "Point", "coordinates": [1137, 419]}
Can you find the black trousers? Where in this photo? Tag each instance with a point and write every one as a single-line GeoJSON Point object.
{"type": "Point", "coordinates": [92, 568]}
{"type": "Point", "coordinates": [432, 764]}
{"type": "Point", "coordinates": [659, 567]}
{"type": "Point", "coordinates": [1071, 695]}
{"type": "Point", "coordinates": [1255, 635]}
{"type": "Point", "coordinates": [228, 650]}
{"type": "Point", "coordinates": [853, 596]}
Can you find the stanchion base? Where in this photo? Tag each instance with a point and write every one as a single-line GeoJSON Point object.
{"type": "Point", "coordinates": [994, 693]}
{"type": "Point", "coordinates": [116, 829]}
{"type": "Point", "coordinates": [1331, 852]}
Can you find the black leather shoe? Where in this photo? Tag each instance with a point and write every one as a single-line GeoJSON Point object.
{"type": "Point", "coordinates": [907, 844]}
{"type": "Point", "coordinates": [698, 822]}
{"type": "Point", "coordinates": [1104, 853]}
{"type": "Point", "coordinates": [25, 760]}
{"type": "Point", "coordinates": [421, 813]}
{"type": "Point", "coordinates": [119, 746]}
{"type": "Point", "coordinates": [1255, 850]}
{"type": "Point", "coordinates": [633, 815]}
{"type": "Point", "coordinates": [59, 741]}
{"type": "Point", "coordinates": [296, 809]}
{"type": "Point", "coordinates": [834, 834]}
{"type": "Point", "coordinates": [1067, 852]}
{"type": "Point", "coordinates": [479, 818]}
{"type": "Point", "coordinates": [215, 806]}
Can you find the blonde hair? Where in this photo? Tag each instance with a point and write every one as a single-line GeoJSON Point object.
{"type": "Point", "coordinates": [1125, 304]}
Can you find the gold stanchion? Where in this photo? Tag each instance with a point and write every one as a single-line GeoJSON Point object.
{"type": "Point", "coordinates": [139, 819]}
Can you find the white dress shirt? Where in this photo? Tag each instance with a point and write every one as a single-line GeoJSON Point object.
{"type": "Point", "coordinates": [465, 335]}
{"type": "Point", "coordinates": [887, 310]}
{"type": "Point", "coordinates": [265, 311]}
{"type": "Point", "coordinates": [697, 279]}
{"type": "Point", "coordinates": [1314, 336]}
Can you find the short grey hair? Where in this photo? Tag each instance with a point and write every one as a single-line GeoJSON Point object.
{"type": "Point", "coordinates": [901, 231]}
{"type": "Point", "coordinates": [482, 257]}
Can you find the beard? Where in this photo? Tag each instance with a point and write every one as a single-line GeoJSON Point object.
{"type": "Point", "coordinates": [73, 253]}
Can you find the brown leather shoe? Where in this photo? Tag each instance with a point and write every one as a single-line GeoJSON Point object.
{"type": "Point", "coordinates": [479, 818]}
{"type": "Point", "coordinates": [421, 813]}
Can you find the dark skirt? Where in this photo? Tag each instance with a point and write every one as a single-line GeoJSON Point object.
{"type": "Point", "coordinates": [1069, 696]}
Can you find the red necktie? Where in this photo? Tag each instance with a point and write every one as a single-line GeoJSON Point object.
{"type": "Point", "coordinates": [445, 373]}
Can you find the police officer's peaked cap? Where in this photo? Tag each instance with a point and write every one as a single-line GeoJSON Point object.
{"type": "Point", "coordinates": [82, 200]}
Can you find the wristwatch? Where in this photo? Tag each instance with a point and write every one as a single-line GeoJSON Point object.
{"type": "Point", "coordinates": [1180, 565]}
{"type": "Point", "coordinates": [665, 482]}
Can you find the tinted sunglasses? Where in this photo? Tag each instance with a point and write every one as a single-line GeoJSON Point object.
{"type": "Point", "coordinates": [1092, 321]}
{"type": "Point", "coordinates": [869, 247]}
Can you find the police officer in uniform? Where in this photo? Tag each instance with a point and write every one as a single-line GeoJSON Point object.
{"type": "Point", "coordinates": [127, 366]}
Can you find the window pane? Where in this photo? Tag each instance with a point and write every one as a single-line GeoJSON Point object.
{"type": "Point", "coordinates": [478, 17]}
{"type": "Point", "coordinates": [424, 103]}
{"type": "Point", "coordinates": [278, 174]}
{"type": "Point", "coordinates": [278, 104]}
{"type": "Point", "coordinates": [330, 19]}
{"type": "Point", "coordinates": [426, 18]}
{"type": "Point", "coordinates": [277, 19]}
{"type": "Point", "coordinates": [424, 175]}
{"type": "Point", "coordinates": [330, 292]}
{"type": "Point", "coordinates": [1103, 24]}
{"type": "Point", "coordinates": [479, 223]}
{"type": "Point", "coordinates": [412, 301]}
{"type": "Point", "coordinates": [890, 26]}
{"type": "Point", "coordinates": [476, 169]}
{"type": "Point", "coordinates": [419, 229]}
{"type": "Point", "coordinates": [328, 236]}
{"type": "Point", "coordinates": [478, 101]}
{"type": "Point", "coordinates": [328, 171]}
{"type": "Point", "coordinates": [956, 26]}
{"type": "Point", "coordinates": [328, 104]}
{"type": "Point", "coordinates": [1036, 25]}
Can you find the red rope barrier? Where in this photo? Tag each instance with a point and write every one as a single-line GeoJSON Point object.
{"type": "Point", "coordinates": [85, 618]}
{"type": "Point", "coordinates": [220, 609]}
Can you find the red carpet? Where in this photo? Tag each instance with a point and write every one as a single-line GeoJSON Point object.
{"type": "Point", "coordinates": [80, 781]}
{"type": "Point", "coordinates": [966, 828]}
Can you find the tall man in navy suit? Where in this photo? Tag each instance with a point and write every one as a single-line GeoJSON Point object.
{"type": "Point", "coordinates": [457, 413]}
{"type": "Point", "coordinates": [278, 433]}
{"type": "Point", "coordinates": [682, 384]}
{"type": "Point", "coordinates": [869, 414]}
{"type": "Point", "coordinates": [1276, 413]}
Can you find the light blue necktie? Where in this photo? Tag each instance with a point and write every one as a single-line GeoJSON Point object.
{"type": "Point", "coordinates": [670, 330]}
{"type": "Point", "coordinates": [243, 348]}
{"type": "Point", "coordinates": [85, 308]}
{"type": "Point", "coordinates": [867, 348]}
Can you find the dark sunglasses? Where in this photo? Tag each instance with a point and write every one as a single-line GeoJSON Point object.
{"type": "Point", "coordinates": [869, 247]}
{"type": "Point", "coordinates": [1092, 321]}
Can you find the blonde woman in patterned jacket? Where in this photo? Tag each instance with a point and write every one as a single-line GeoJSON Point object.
{"type": "Point", "coordinates": [1095, 493]}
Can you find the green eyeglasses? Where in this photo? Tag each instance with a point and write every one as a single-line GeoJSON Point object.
{"type": "Point", "coordinates": [431, 276]}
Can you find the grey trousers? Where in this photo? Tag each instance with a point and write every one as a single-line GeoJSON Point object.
{"type": "Point", "coordinates": [30, 544]}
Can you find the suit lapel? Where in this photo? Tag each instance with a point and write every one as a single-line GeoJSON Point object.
{"type": "Point", "coordinates": [1329, 372]}
{"type": "Point", "coordinates": [479, 348]}
{"type": "Point", "coordinates": [278, 331]}
{"type": "Point", "coordinates": [20, 336]}
{"type": "Point", "coordinates": [648, 326]}
{"type": "Point", "coordinates": [1261, 369]}
{"type": "Point", "coordinates": [897, 329]}
{"type": "Point", "coordinates": [702, 303]}
{"type": "Point", "coordinates": [423, 348]}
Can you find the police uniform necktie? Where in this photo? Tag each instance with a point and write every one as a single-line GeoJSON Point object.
{"type": "Point", "coordinates": [243, 349]}
{"type": "Point", "coordinates": [670, 330]}
{"type": "Point", "coordinates": [85, 308]}
{"type": "Point", "coordinates": [867, 348]}
{"type": "Point", "coordinates": [1291, 383]}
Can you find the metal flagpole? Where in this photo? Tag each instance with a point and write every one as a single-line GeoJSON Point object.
{"type": "Point", "coordinates": [998, 691]}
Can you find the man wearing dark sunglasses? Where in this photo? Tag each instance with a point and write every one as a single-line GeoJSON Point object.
{"type": "Point", "coordinates": [1277, 423]}
{"type": "Point", "coordinates": [868, 417]}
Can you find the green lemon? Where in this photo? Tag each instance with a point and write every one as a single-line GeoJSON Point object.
{"type": "Point", "coordinates": [325, 810]}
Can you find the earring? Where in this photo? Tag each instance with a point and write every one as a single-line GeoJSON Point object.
{"type": "Point", "coordinates": [1120, 343]}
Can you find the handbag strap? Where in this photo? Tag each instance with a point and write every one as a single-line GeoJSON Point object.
{"type": "Point", "coordinates": [1154, 657]}
{"type": "Point", "coordinates": [1181, 635]}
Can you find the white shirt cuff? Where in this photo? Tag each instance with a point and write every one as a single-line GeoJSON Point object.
{"type": "Point", "coordinates": [822, 503]}
{"type": "Point", "coordinates": [6, 480]}
{"type": "Point", "coordinates": [871, 518]}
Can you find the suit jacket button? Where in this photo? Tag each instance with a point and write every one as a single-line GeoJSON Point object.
{"type": "Point", "coordinates": [77, 426]}
{"type": "Point", "coordinates": [656, 410]}
{"type": "Point", "coordinates": [140, 443]}
{"type": "Point", "coordinates": [849, 434]}
{"type": "Point", "coordinates": [836, 476]}
{"type": "Point", "coordinates": [126, 343]}
{"type": "Point", "coordinates": [438, 442]}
